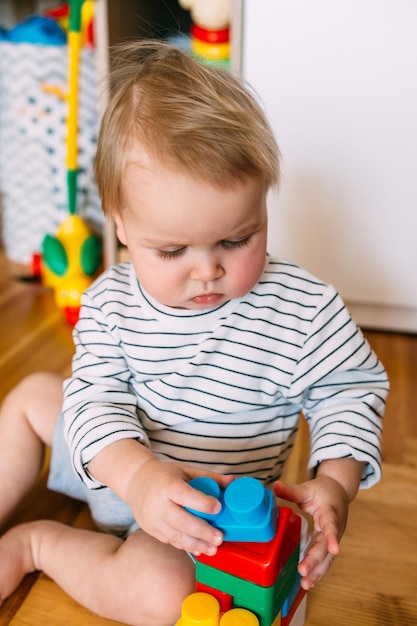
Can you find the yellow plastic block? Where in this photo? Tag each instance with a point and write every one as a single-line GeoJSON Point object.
{"type": "Point", "coordinates": [203, 609]}
{"type": "Point", "coordinates": [199, 609]}
{"type": "Point", "coordinates": [277, 620]}
{"type": "Point", "coordinates": [239, 617]}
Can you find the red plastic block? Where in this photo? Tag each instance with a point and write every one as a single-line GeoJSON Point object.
{"type": "Point", "coordinates": [260, 563]}
{"type": "Point", "coordinates": [224, 599]}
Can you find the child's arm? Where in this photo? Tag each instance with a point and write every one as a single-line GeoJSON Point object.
{"type": "Point", "coordinates": [326, 498]}
{"type": "Point", "coordinates": [157, 492]}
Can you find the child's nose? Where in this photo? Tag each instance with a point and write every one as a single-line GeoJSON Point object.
{"type": "Point", "coordinates": [207, 269]}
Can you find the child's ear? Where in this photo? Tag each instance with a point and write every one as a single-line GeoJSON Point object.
{"type": "Point", "coordinates": [120, 229]}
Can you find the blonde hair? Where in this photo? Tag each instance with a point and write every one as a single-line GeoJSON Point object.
{"type": "Point", "coordinates": [198, 119]}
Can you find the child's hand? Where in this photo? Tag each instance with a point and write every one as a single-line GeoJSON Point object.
{"type": "Point", "coordinates": [327, 502]}
{"type": "Point", "coordinates": [157, 494]}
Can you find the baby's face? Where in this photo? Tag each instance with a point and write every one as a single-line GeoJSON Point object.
{"type": "Point", "coordinates": [193, 246]}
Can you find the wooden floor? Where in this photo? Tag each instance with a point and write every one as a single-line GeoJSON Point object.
{"type": "Point", "coordinates": [372, 583]}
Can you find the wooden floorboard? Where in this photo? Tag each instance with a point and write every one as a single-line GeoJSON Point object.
{"type": "Point", "coordinates": [374, 580]}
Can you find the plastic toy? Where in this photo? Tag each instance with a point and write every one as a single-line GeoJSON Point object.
{"type": "Point", "coordinates": [61, 15]}
{"type": "Point", "coordinates": [210, 36]}
{"type": "Point", "coordinates": [202, 609]}
{"type": "Point", "coordinates": [212, 51]}
{"type": "Point", "coordinates": [260, 575]}
{"type": "Point", "coordinates": [74, 45]}
{"type": "Point", "coordinates": [248, 510]}
{"type": "Point", "coordinates": [70, 260]}
{"type": "Point", "coordinates": [36, 29]}
{"type": "Point", "coordinates": [260, 563]}
{"type": "Point", "coordinates": [293, 604]}
{"type": "Point", "coordinates": [72, 257]}
{"type": "Point", "coordinates": [210, 31]}
{"type": "Point", "coordinates": [213, 15]}
{"type": "Point", "coordinates": [224, 599]}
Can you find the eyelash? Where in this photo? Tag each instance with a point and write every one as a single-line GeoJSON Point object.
{"type": "Point", "coordinates": [228, 245]}
{"type": "Point", "coordinates": [171, 254]}
{"type": "Point", "coordinates": [240, 243]}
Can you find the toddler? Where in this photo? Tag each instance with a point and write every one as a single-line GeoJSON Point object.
{"type": "Point", "coordinates": [193, 359]}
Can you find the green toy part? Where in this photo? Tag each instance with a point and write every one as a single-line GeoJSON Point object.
{"type": "Point", "coordinates": [90, 256]}
{"type": "Point", "coordinates": [54, 255]}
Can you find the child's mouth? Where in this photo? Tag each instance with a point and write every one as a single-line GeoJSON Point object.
{"type": "Point", "coordinates": [208, 298]}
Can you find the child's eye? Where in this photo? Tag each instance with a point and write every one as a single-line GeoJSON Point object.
{"type": "Point", "coordinates": [171, 254]}
{"type": "Point", "coordinates": [238, 243]}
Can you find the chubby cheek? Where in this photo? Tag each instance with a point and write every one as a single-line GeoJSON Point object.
{"type": "Point", "coordinates": [162, 283]}
{"type": "Point", "coordinates": [245, 273]}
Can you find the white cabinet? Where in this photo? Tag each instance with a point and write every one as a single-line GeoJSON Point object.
{"type": "Point", "coordinates": [339, 82]}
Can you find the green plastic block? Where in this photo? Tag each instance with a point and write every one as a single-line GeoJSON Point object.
{"type": "Point", "coordinates": [265, 602]}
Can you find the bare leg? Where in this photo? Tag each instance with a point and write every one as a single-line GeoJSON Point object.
{"type": "Point", "coordinates": [27, 420]}
{"type": "Point", "coordinates": [141, 581]}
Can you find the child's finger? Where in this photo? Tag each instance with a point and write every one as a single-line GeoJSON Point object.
{"type": "Point", "coordinates": [316, 553]}
{"type": "Point", "coordinates": [332, 542]}
{"type": "Point", "coordinates": [326, 522]}
{"type": "Point", "coordinates": [312, 577]}
{"type": "Point", "coordinates": [192, 545]}
{"type": "Point", "coordinates": [189, 532]}
{"type": "Point", "coordinates": [316, 562]}
{"type": "Point", "coordinates": [299, 494]}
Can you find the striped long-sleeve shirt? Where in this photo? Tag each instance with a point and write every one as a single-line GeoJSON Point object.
{"type": "Point", "coordinates": [223, 388]}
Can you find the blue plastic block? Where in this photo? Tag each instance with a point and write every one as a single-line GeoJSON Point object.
{"type": "Point", "coordinates": [286, 607]}
{"type": "Point", "coordinates": [248, 512]}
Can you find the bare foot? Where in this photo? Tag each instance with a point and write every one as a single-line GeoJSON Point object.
{"type": "Point", "coordinates": [16, 559]}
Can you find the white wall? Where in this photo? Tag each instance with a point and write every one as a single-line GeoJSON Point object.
{"type": "Point", "coordinates": [339, 81]}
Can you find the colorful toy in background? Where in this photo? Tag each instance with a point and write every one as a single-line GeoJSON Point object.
{"type": "Point", "coordinates": [210, 31]}
{"type": "Point", "coordinates": [72, 257]}
{"type": "Point", "coordinates": [37, 29]}
{"type": "Point", "coordinates": [257, 574]}
{"type": "Point", "coordinates": [70, 260]}
{"type": "Point", "coordinates": [62, 15]}
{"type": "Point", "coordinates": [33, 128]}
